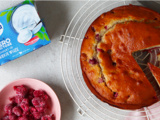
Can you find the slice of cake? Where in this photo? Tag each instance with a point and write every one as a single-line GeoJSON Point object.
{"type": "Point", "coordinates": [155, 71]}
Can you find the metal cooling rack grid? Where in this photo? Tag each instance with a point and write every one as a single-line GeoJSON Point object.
{"type": "Point", "coordinates": [87, 103]}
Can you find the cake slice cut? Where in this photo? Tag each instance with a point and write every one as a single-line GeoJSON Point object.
{"type": "Point", "coordinates": [108, 67]}
{"type": "Point", "coordinates": [155, 71]}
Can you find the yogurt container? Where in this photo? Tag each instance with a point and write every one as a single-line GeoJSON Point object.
{"type": "Point", "coordinates": [21, 31]}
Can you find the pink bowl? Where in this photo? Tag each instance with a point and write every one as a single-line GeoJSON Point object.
{"type": "Point", "coordinates": [8, 91]}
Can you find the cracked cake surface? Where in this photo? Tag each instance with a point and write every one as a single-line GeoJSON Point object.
{"type": "Point", "coordinates": [108, 67]}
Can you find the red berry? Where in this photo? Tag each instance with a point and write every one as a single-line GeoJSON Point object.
{"type": "Point", "coordinates": [37, 115]}
{"type": "Point", "coordinates": [25, 101]}
{"type": "Point", "coordinates": [12, 117]}
{"type": "Point", "coordinates": [26, 113]}
{"type": "Point", "coordinates": [45, 97]}
{"type": "Point", "coordinates": [100, 50]}
{"type": "Point", "coordinates": [115, 94]}
{"type": "Point", "coordinates": [23, 118]}
{"type": "Point", "coordinates": [33, 109]}
{"type": "Point", "coordinates": [106, 27]}
{"type": "Point", "coordinates": [53, 117]}
{"type": "Point", "coordinates": [6, 117]}
{"type": "Point", "coordinates": [12, 99]}
{"type": "Point", "coordinates": [98, 37]}
{"type": "Point", "coordinates": [93, 61]}
{"type": "Point", "coordinates": [18, 99]}
{"type": "Point", "coordinates": [41, 109]}
{"type": "Point", "coordinates": [25, 107]}
{"type": "Point", "coordinates": [8, 108]}
{"type": "Point", "coordinates": [21, 90]}
{"type": "Point", "coordinates": [38, 93]}
{"type": "Point", "coordinates": [38, 102]}
{"type": "Point", "coordinates": [17, 111]}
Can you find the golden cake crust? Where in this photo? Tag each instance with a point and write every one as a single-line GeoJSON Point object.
{"type": "Point", "coordinates": [108, 67]}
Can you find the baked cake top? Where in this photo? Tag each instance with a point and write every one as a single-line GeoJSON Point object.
{"type": "Point", "coordinates": [108, 66]}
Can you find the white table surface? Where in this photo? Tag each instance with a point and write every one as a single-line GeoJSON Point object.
{"type": "Point", "coordinates": [44, 63]}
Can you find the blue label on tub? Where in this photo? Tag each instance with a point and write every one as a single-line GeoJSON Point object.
{"type": "Point", "coordinates": [21, 31]}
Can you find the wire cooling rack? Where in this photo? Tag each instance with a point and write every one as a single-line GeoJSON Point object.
{"type": "Point", "coordinates": [87, 103]}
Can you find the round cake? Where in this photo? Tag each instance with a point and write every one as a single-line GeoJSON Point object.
{"type": "Point", "coordinates": [109, 69]}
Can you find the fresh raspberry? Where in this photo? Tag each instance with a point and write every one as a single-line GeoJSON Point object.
{"type": "Point", "coordinates": [38, 102]}
{"type": "Point", "coordinates": [24, 106]}
{"type": "Point", "coordinates": [27, 105]}
{"type": "Point", "coordinates": [33, 109]}
{"type": "Point", "coordinates": [53, 117]}
{"type": "Point", "coordinates": [26, 113]}
{"type": "Point", "coordinates": [12, 99]}
{"type": "Point", "coordinates": [38, 93]}
{"type": "Point", "coordinates": [18, 99]}
{"type": "Point", "coordinates": [23, 118]}
{"type": "Point", "coordinates": [17, 111]}
{"type": "Point", "coordinates": [37, 115]}
{"type": "Point", "coordinates": [6, 117]}
{"type": "Point", "coordinates": [8, 108]}
{"type": "Point", "coordinates": [41, 109]}
{"type": "Point", "coordinates": [21, 90]}
{"type": "Point", "coordinates": [12, 117]}
{"type": "Point", "coordinates": [25, 101]}
{"type": "Point", "coordinates": [45, 97]}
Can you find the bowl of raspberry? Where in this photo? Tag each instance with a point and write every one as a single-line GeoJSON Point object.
{"type": "Point", "coordinates": [29, 99]}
